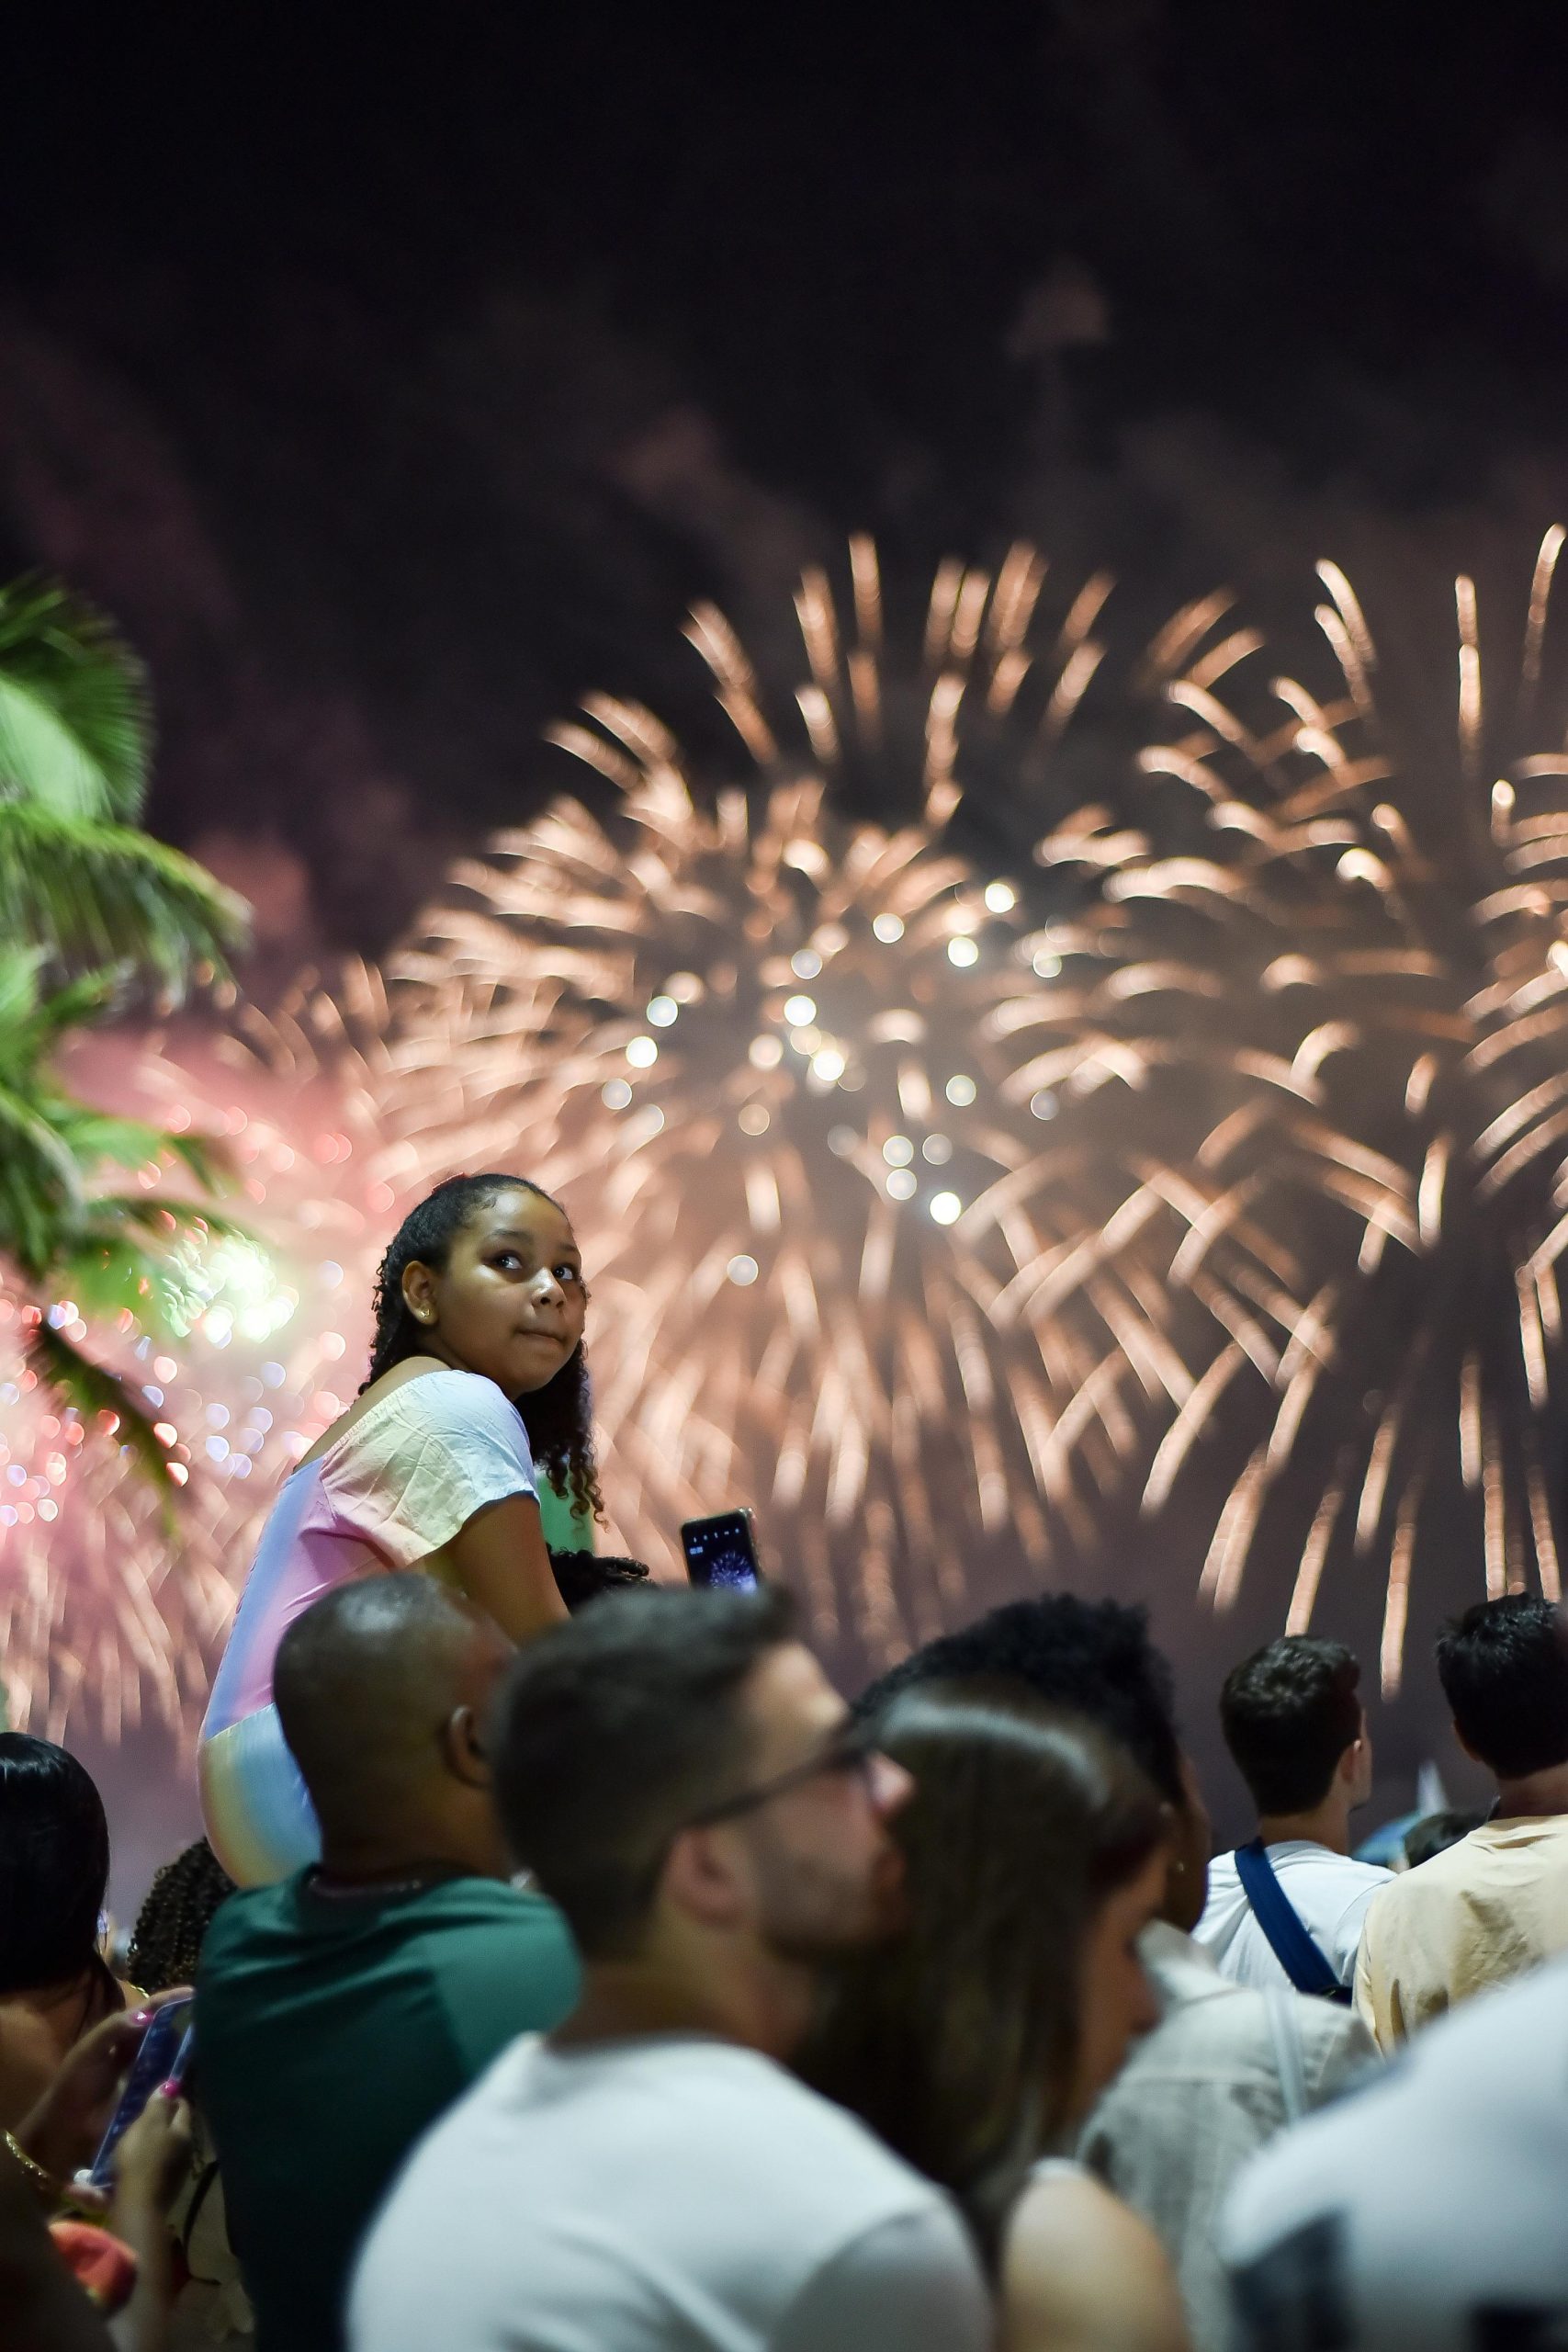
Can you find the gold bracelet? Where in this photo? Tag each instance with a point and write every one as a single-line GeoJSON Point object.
{"type": "Point", "coordinates": [43, 2182]}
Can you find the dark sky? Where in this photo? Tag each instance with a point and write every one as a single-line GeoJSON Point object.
{"type": "Point", "coordinates": [393, 388]}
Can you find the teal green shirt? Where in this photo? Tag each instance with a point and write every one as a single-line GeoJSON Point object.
{"type": "Point", "coordinates": [330, 2031]}
{"type": "Point", "coordinates": [566, 1527]}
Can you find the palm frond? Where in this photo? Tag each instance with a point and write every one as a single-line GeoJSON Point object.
{"type": "Point", "coordinates": [106, 893]}
{"type": "Point", "coordinates": [40, 1182]}
{"type": "Point", "coordinates": [77, 1379]}
{"type": "Point", "coordinates": [33, 1021]}
{"type": "Point", "coordinates": [106, 1274]}
{"type": "Point", "coordinates": [152, 1213]}
{"type": "Point", "coordinates": [74, 721]}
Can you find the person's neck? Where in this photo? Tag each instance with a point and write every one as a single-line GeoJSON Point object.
{"type": "Point", "coordinates": [426, 1854]}
{"type": "Point", "coordinates": [1327, 1824]}
{"type": "Point", "coordinates": [1534, 1793]}
{"type": "Point", "coordinates": [756, 2001]}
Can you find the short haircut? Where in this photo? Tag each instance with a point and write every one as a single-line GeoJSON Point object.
{"type": "Point", "coordinates": [1435, 1832]}
{"type": "Point", "coordinates": [362, 1678]}
{"type": "Point", "coordinates": [613, 1730]}
{"type": "Point", "coordinates": [1092, 1656]}
{"type": "Point", "coordinates": [1289, 1712]}
{"type": "Point", "coordinates": [1504, 1668]}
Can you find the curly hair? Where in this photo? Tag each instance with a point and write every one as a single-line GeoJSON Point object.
{"type": "Point", "coordinates": [583, 1577]}
{"type": "Point", "coordinates": [172, 1924]}
{"type": "Point", "coordinates": [1092, 1656]}
{"type": "Point", "coordinates": [558, 1417]}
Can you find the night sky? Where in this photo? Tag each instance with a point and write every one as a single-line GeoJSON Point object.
{"type": "Point", "coordinates": [394, 389]}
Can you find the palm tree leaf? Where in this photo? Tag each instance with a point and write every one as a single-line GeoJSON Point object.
{"type": "Point", "coordinates": [21, 994]}
{"type": "Point", "coordinates": [105, 1273]}
{"type": "Point", "coordinates": [78, 1380]}
{"type": "Point", "coordinates": [74, 721]}
{"type": "Point", "coordinates": [99, 1139]}
{"type": "Point", "coordinates": [32, 1022]}
{"type": "Point", "coordinates": [40, 1184]}
{"type": "Point", "coordinates": [106, 892]}
{"type": "Point", "coordinates": [111, 1212]}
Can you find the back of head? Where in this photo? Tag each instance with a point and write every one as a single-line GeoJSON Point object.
{"type": "Point", "coordinates": [364, 1681]}
{"type": "Point", "coordinates": [613, 1731]}
{"type": "Point", "coordinates": [1092, 1657]}
{"type": "Point", "coordinates": [1504, 1668]}
{"type": "Point", "coordinates": [54, 1864]}
{"type": "Point", "coordinates": [1289, 1712]}
{"type": "Point", "coordinates": [172, 1924]}
{"type": "Point", "coordinates": [1434, 1833]}
{"type": "Point", "coordinates": [959, 2042]}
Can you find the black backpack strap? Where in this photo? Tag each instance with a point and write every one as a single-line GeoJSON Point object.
{"type": "Point", "coordinates": [1302, 1960]}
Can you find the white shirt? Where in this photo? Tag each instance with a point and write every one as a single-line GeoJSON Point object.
{"type": "Point", "coordinates": [1199, 2095]}
{"type": "Point", "coordinates": [1328, 1891]}
{"type": "Point", "coordinates": [667, 2194]}
{"type": "Point", "coordinates": [1425, 2214]}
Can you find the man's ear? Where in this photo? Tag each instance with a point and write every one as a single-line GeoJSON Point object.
{"type": "Point", "coordinates": [704, 1878]}
{"type": "Point", "coordinates": [463, 1748]}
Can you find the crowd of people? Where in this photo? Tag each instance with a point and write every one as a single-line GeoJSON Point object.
{"type": "Point", "coordinates": [576, 1969]}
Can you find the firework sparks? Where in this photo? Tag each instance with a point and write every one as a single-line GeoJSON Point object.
{"type": "Point", "coordinates": [106, 1610]}
{"type": "Point", "coordinates": [1309, 1033]}
{"type": "Point", "coordinates": [750, 1041]}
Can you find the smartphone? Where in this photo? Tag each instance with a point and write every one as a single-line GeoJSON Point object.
{"type": "Point", "coordinates": [163, 2057]}
{"type": "Point", "coordinates": [722, 1551]}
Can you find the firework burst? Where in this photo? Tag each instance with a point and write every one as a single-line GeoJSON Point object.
{"type": "Point", "coordinates": [1309, 1035]}
{"type": "Point", "coordinates": [109, 1608]}
{"type": "Point", "coordinates": [748, 1038]}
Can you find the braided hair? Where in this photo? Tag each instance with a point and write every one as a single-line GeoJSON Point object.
{"type": "Point", "coordinates": [558, 1417]}
{"type": "Point", "coordinates": [173, 1922]}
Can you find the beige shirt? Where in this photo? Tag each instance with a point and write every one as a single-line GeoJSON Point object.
{"type": "Point", "coordinates": [1485, 1910]}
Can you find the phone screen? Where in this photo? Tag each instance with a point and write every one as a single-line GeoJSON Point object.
{"type": "Point", "coordinates": [722, 1551]}
{"type": "Point", "coordinates": [163, 2057]}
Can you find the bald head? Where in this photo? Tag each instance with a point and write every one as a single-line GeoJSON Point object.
{"type": "Point", "coordinates": [378, 1687]}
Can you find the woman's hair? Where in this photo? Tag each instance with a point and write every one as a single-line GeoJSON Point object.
{"type": "Point", "coordinates": [958, 2042]}
{"type": "Point", "coordinates": [54, 1865]}
{"type": "Point", "coordinates": [173, 1922]}
{"type": "Point", "coordinates": [558, 1418]}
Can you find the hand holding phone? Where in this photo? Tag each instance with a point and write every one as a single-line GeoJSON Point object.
{"type": "Point", "coordinates": [163, 2057]}
{"type": "Point", "coordinates": [722, 1551]}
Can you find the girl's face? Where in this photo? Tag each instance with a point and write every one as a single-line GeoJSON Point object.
{"type": "Point", "coordinates": [1116, 2000]}
{"type": "Point", "coordinates": [509, 1301]}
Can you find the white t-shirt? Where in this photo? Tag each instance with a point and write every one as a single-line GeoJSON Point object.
{"type": "Point", "coordinates": [667, 2194]}
{"type": "Point", "coordinates": [1328, 1891]}
{"type": "Point", "coordinates": [1424, 2214]}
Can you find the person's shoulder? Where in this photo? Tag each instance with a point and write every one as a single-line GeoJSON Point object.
{"type": "Point", "coordinates": [250, 1916]}
{"type": "Point", "coordinates": [473, 1902]}
{"type": "Point", "coordinates": [1078, 2265]}
{"type": "Point", "coordinates": [750, 2098]}
{"type": "Point", "coordinates": [500, 1961]}
{"type": "Point", "coordinates": [452, 1402]}
{"type": "Point", "coordinates": [1304, 1854]}
{"type": "Point", "coordinates": [1434, 1880]}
